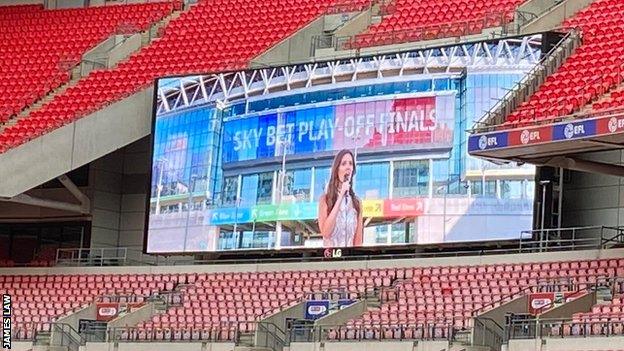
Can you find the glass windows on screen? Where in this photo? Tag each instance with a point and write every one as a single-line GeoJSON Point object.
{"type": "Point", "coordinates": [411, 178]}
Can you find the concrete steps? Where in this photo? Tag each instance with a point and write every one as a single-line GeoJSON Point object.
{"type": "Point", "coordinates": [42, 338]}
{"type": "Point", "coordinates": [147, 37]}
{"type": "Point", "coordinates": [589, 107]}
{"type": "Point", "coordinates": [75, 77]}
{"type": "Point", "coordinates": [252, 348]}
{"type": "Point", "coordinates": [463, 338]}
{"type": "Point", "coordinates": [246, 340]}
{"type": "Point", "coordinates": [155, 31]}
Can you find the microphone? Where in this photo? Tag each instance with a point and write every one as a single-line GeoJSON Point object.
{"type": "Point", "coordinates": [347, 178]}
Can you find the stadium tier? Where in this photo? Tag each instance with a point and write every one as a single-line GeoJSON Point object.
{"type": "Point", "coordinates": [42, 299]}
{"type": "Point", "coordinates": [190, 44]}
{"type": "Point", "coordinates": [411, 21]}
{"type": "Point", "coordinates": [453, 294]}
{"type": "Point", "coordinates": [444, 295]}
{"type": "Point", "coordinates": [38, 54]}
{"type": "Point", "coordinates": [594, 69]}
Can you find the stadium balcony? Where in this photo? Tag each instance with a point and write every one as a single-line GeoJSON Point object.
{"type": "Point", "coordinates": [583, 83]}
{"type": "Point", "coordinates": [41, 299]}
{"type": "Point", "coordinates": [190, 43]}
{"type": "Point", "coordinates": [415, 299]}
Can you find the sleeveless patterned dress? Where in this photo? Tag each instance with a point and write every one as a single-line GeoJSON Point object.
{"type": "Point", "coordinates": [346, 224]}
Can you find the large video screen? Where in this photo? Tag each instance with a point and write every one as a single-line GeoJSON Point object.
{"type": "Point", "coordinates": [242, 160]}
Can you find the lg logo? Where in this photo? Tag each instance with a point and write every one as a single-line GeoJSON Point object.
{"type": "Point", "coordinates": [333, 253]}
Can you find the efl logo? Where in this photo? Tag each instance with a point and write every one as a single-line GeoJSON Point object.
{"type": "Point", "coordinates": [6, 321]}
{"type": "Point", "coordinates": [485, 142]}
{"type": "Point", "coordinates": [315, 310]}
{"type": "Point", "coordinates": [107, 311]}
{"type": "Point", "coordinates": [615, 124]}
{"type": "Point", "coordinates": [539, 303]}
{"type": "Point", "coordinates": [572, 130]}
{"type": "Point", "coordinates": [527, 136]}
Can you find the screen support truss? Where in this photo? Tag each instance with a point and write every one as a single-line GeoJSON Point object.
{"type": "Point", "coordinates": [224, 88]}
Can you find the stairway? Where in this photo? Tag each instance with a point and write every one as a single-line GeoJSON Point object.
{"type": "Point", "coordinates": [42, 338]}
{"type": "Point", "coordinates": [252, 348]}
{"type": "Point", "coordinates": [155, 31]}
{"type": "Point", "coordinates": [373, 302]}
{"type": "Point", "coordinates": [246, 339]}
{"type": "Point", "coordinates": [463, 337]}
{"type": "Point", "coordinates": [603, 295]}
{"type": "Point", "coordinates": [606, 96]}
{"type": "Point", "coordinates": [147, 37]}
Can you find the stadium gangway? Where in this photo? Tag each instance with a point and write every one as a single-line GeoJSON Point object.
{"type": "Point", "coordinates": [570, 327]}
{"type": "Point", "coordinates": [487, 332]}
{"type": "Point", "coordinates": [267, 334]}
{"type": "Point", "coordinates": [115, 256]}
{"type": "Point", "coordinates": [531, 241]}
{"type": "Point", "coordinates": [372, 332]}
{"type": "Point", "coordinates": [573, 238]}
{"type": "Point", "coordinates": [564, 328]}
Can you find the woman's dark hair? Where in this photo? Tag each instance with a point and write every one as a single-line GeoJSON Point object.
{"type": "Point", "coordinates": [331, 194]}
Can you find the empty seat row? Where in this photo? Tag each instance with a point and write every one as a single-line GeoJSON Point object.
{"type": "Point", "coordinates": [593, 70]}
{"type": "Point", "coordinates": [231, 33]}
{"type": "Point", "coordinates": [38, 54]}
{"type": "Point", "coordinates": [407, 21]}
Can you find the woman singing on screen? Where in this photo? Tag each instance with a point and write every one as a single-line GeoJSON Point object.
{"type": "Point", "coordinates": [340, 211]}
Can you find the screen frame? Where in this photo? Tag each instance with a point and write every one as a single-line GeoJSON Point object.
{"type": "Point", "coordinates": [248, 254]}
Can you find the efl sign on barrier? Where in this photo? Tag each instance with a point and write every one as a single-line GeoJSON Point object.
{"type": "Point", "coordinates": [107, 311]}
{"type": "Point", "coordinates": [316, 309]}
{"type": "Point", "coordinates": [563, 131]}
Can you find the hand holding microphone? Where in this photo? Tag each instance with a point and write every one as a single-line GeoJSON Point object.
{"type": "Point", "coordinates": [346, 185]}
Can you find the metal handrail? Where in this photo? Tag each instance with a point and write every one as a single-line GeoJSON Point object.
{"type": "Point", "coordinates": [497, 337]}
{"type": "Point", "coordinates": [523, 246]}
{"type": "Point", "coordinates": [538, 323]}
{"type": "Point", "coordinates": [89, 256]}
{"type": "Point", "coordinates": [70, 337]}
{"type": "Point", "coordinates": [64, 65]}
{"type": "Point", "coordinates": [452, 29]}
{"type": "Point", "coordinates": [611, 112]}
{"type": "Point", "coordinates": [552, 304]}
{"type": "Point", "coordinates": [495, 115]}
{"type": "Point", "coordinates": [553, 283]}
{"type": "Point", "coordinates": [616, 239]}
{"type": "Point", "coordinates": [564, 327]}
{"type": "Point", "coordinates": [223, 332]}
{"type": "Point", "coordinates": [271, 329]}
{"type": "Point", "coordinates": [372, 331]}
{"type": "Point", "coordinates": [341, 6]}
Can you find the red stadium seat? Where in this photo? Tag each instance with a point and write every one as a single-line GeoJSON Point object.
{"type": "Point", "coordinates": [38, 55]}
{"type": "Point", "coordinates": [194, 42]}
{"type": "Point", "coordinates": [592, 75]}
{"type": "Point", "coordinates": [407, 21]}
